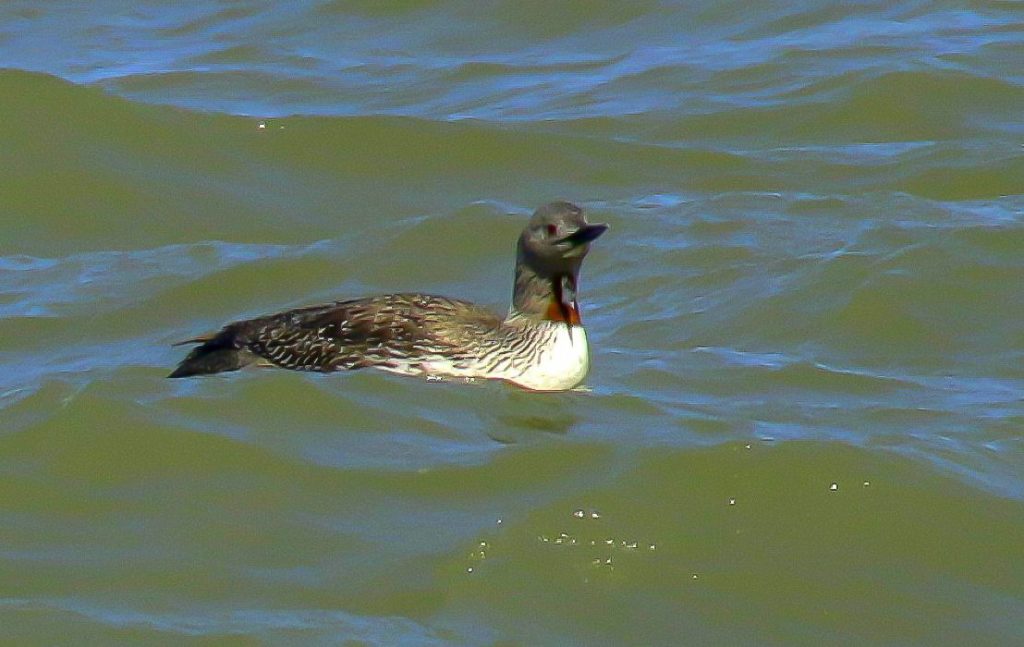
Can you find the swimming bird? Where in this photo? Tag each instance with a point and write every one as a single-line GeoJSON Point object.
{"type": "Point", "coordinates": [539, 345]}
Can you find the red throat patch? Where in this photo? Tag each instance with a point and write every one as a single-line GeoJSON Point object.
{"type": "Point", "coordinates": [563, 305]}
{"type": "Point", "coordinates": [558, 311]}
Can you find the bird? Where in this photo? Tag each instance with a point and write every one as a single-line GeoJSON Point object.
{"type": "Point", "coordinates": [540, 345]}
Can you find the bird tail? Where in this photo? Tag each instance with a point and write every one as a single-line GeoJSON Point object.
{"type": "Point", "coordinates": [216, 354]}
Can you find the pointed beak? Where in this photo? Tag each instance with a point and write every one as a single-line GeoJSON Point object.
{"type": "Point", "coordinates": [584, 234]}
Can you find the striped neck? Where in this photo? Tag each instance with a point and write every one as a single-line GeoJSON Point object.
{"type": "Point", "coordinates": [563, 306]}
{"type": "Point", "coordinates": [545, 298]}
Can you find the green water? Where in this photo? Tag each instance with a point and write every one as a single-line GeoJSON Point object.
{"type": "Point", "coordinates": [803, 421]}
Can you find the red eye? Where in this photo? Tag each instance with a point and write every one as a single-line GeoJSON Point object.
{"type": "Point", "coordinates": [552, 230]}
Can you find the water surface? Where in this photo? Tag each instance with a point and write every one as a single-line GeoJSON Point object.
{"type": "Point", "coordinates": [803, 419]}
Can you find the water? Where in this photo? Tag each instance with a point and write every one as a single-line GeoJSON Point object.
{"type": "Point", "coordinates": [803, 420]}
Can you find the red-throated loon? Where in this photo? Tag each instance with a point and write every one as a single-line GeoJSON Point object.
{"type": "Point", "coordinates": [540, 345]}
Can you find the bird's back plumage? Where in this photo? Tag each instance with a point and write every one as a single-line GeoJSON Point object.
{"type": "Point", "coordinates": [374, 331]}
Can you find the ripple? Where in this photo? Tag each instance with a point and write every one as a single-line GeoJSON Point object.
{"type": "Point", "coordinates": [804, 324]}
{"type": "Point", "coordinates": [256, 622]}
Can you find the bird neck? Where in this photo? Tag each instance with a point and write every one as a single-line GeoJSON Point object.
{"type": "Point", "coordinates": [545, 298]}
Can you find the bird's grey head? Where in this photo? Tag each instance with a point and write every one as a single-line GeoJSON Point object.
{"type": "Point", "coordinates": [556, 239]}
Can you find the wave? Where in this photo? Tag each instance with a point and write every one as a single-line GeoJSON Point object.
{"type": "Point", "coordinates": [262, 623]}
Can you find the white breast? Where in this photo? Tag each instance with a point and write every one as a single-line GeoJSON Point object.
{"type": "Point", "coordinates": [561, 364]}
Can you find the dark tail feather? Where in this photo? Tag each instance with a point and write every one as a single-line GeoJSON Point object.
{"type": "Point", "coordinates": [214, 356]}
